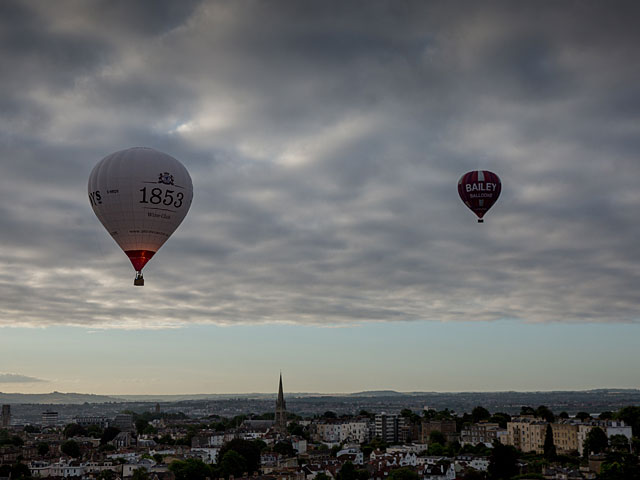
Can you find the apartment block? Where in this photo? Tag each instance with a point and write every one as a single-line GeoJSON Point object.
{"type": "Point", "coordinates": [5, 417]}
{"type": "Point", "coordinates": [526, 434]}
{"type": "Point", "coordinates": [49, 418]}
{"type": "Point", "coordinates": [565, 437]}
{"type": "Point", "coordinates": [391, 428]}
{"type": "Point", "coordinates": [446, 427]}
{"type": "Point", "coordinates": [483, 432]}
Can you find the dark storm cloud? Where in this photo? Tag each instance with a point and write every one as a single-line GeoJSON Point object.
{"type": "Point", "coordinates": [325, 140]}
{"type": "Point", "coordinates": [15, 378]}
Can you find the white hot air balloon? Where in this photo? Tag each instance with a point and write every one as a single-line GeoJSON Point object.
{"type": "Point", "coordinates": [140, 195]}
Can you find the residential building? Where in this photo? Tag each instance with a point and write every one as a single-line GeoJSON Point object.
{"type": "Point", "coordinates": [610, 427]}
{"type": "Point", "coordinates": [49, 418]}
{"type": "Point", "coordinates": [565, 437]}
{"type": "Point", "coordinates": [5, 417]}
{"type": "Point", "coordinates": [89, 420]}
{"type": "Point", "coordinates": [256, 426]}
{"type": "Point", "coordinates": [583, 431]}
{"type": "Point", "coordinates": [390, 428]}
{"type": "Point", "coordinates": [476, 462]}
{"type": "Point", "coordinates": [526, 434]}
{"type": "Point", "coordinates": [206, 454]}
{"type": "Point", "coordinates": [353, 455]}
{"type": "Point", "coordinates": [123, 440]}
{"type": "Point", "coordinates": [123, 422]}
{"type": "Point", "coordinates": [355, 431]}
{"type": "Point", "coordinates": [380, 459]}
{"type": "Point", "coordinates": [299, 444]}
{"type": "Point", "coordinates": [483, 432]}
{"type": "Point", "coordinates": [441, 471]}
{"type": "Point", "coordinates": [446, 427]}
{"type": "Point", "coordinates": [327, 431]}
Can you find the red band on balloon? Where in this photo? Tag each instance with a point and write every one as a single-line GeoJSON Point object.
{"type": "Point", "coordinates": [139, 258]}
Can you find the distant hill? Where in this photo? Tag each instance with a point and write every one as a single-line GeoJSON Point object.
{"type": "Point", "coordinates": [378, 393]}
{"type": "Point", "coordinates": [499, 401]}
{"type": "Point", "coordinates": [56, 398]}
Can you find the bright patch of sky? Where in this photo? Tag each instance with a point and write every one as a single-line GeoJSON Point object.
{"type": "Point", "coordinates": [325, 141]}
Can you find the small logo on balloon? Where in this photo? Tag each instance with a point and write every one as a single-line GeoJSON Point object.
{"type": "Point", "coordinates": [166, 178]}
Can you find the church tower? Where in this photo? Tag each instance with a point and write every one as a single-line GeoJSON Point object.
{"type": "Point", "coordinates": [280, 423]}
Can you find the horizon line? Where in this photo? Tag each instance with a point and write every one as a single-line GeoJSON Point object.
{"type": "Point", "coordinates": [411, 392]}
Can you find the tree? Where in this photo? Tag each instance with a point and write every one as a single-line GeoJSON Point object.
{"type": "Point", "coordinates": [296, 429]}
{"type": "Point", "coordinates": [232, 463]}
{"type": "Point", "coordinates": [582, 416]}
{"type": "Point", "coordinates": [140, 474]}
{"type": "Point", "coordinates": [284, 448]}
{"type": "Point", "coordinates": [166, 439]}
{"type": "Point", "coordinates": [472, 474]}
{"type": "Point", "coordinates": [549, 447]}
{"type": "Point", "coordinates": [445, 414]}
{"type": "Point", "coordinates": [436, 436]}
{"type": "Point", "coordinates": [503, 462]}
{"type": "Point", "coordinates": [606, 415]}
{"type": "Point", "coordinates": [412, 417]}
{"type": "Point", "coordinates": [349, 472]}
{"type": "Point", "coordinates": [378, 444]}
{"type": "Point", "coordinates": [563, 415]}
{"type": "Point", "coordinates": [501, 418]}
{"type": "Point", "coordinates": [20, 471]}
{"type": "Point", "coordinates": [480, 413]}
{"type": "Point", "coordinates": [620, 466]}
{"type": "Point", "coordinates": [429, 413]}
{"type": "Point", "coordinates": [109, 434]}
{"type": "Point", "coordinates": [619, 443]}
{"type": "Point", "coordinates": [545, 413]}
{"type": "Point", "coordinates": [94, 431]}
{"type": "Point", "coordinates": [106, 475]}
{"type": "Point", "coordinates": [596, 441]}
{"type": "Point", "coordinates": [453, 448]}
{"type": "Point", "coordinates": [527, 411]}
{"type": "Point", "coordinates": [403, 473]}
{"type": "Point", "coordinates": [630, 416]}
{"type": "Point", "coordinates": [366, 450]}
{"type": "Point", "coordinates": [334, 451]}
{"type": "Point", "coordinates": [249, 450]}
{"type": "Point", "coordinates": [436, 449]}
{"type": "Point", "coordinates": [71, 448]}
{"type": "Point", "coordinates": [43, 448]}
{"type": "Point", "coordinates": [191, 469]}
{"type": "Point", "coordinates": [329, 414]}
{"type": "Point", "coordinates": [635, 445]}
{"type": "Point", "coordinates": [141, 425]}
{"type": "Point", "coordinates": [31, 429]}
{"type": "Point", "coordinates": [74, 430]}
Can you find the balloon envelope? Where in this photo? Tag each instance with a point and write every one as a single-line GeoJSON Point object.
{"type": "Point", "coordinates": [479, 190]}
{"type": "Point", "coordinates": [140, 195]}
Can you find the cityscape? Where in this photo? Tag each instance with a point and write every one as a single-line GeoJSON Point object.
{"type": "Point", "coordinates": [319, 240]}
{"type": "Point", "coordinates": [366, 436]}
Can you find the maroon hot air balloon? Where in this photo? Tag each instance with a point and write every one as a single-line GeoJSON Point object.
{"type": "Point", "coordinates": [479, 190]}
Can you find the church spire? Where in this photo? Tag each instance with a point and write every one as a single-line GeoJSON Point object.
{"type": "Point", "coordinates": [281, 410]}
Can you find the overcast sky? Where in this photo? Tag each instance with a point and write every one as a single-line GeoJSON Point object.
{"type": "Point", "coordinates": [325, 141]}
